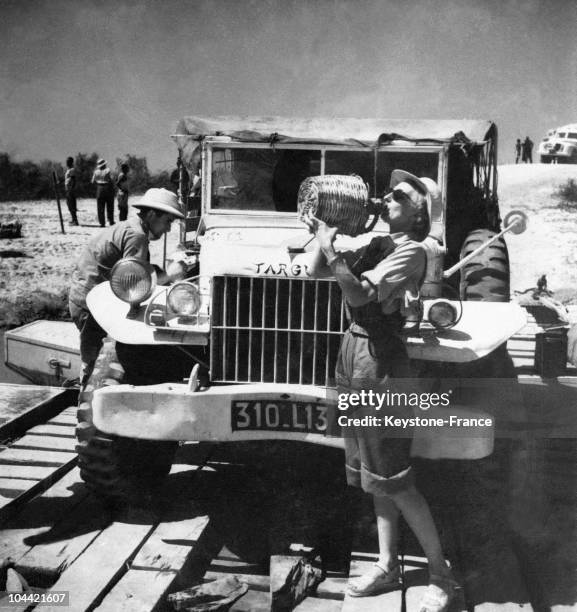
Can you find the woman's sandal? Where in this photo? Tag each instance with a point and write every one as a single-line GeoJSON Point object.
{"type": "Point", "coordinates": [377, 581]}
{"type": "Point", "coordinates": [439, 594]}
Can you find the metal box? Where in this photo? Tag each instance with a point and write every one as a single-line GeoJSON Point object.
{"type": "Point", "coordinates": [45, 352]}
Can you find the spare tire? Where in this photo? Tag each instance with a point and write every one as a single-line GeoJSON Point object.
{"type": "Point", "coordinates": [486, 278]}
{"type": "Point", "coordinates": [121, 470]}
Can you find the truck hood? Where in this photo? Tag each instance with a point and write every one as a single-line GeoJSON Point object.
{"type": "Point", "coordinates": [262, 246]}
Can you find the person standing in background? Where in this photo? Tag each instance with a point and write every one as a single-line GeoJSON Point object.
{"type": "Point", "coordinates": [518, 150]}
{"type": "Point", "coordinates": [102, 178]}
{"type": "Point", "coordinates": [122, 186]}
{"type": "Point", "coordinates": [70, 190]}
{"type": "Point", "coordinates": [528, 150]}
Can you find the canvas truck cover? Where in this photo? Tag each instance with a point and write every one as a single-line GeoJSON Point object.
{"type": "Point", "coordinates": [190, 131]}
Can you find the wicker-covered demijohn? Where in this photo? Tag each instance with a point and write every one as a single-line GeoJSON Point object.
{"type": "Point", "coordinates": [340, 201]}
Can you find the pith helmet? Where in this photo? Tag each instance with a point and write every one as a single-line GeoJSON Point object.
{"type": "Point", "coordinates": [160, 199]}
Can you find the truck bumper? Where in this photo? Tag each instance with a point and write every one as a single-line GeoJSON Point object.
{"type": "Point", "coordinates": [173, 412]}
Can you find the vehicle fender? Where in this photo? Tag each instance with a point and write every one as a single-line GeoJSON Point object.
{"type": "Point", "coordinates": [483, 327]}
{"type": "Point", "coordinates": [125, 324]}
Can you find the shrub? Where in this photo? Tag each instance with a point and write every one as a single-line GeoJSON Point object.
{"type": "Point", "coordinates": [18, 310]}
{"type": "Point", "coordinates": [567, 193]}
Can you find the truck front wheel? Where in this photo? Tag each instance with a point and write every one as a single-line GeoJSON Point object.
{"type": "Point", "coordinates": [116, 468]}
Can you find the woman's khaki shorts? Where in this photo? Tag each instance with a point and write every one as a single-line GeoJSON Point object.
{"type": "Point", "coordinates": [377, 458]}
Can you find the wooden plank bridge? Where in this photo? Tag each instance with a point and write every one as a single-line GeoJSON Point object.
{"type": "Point", "coordinates": [507, 522]}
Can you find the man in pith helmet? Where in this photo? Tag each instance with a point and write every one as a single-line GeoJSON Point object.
{"type": "Point", "coordinates": [157, 209]}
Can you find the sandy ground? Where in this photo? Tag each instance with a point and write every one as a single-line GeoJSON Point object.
{"type": "Point", "coordinates": [43, 259]}
{"type": "Point", "coordinates": [549, 245]}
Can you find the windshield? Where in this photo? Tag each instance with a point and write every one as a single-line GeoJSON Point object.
{"type": "Point", "coordinates": [260, 179]}
{"type": "Point", "coordinates": [268, 179]}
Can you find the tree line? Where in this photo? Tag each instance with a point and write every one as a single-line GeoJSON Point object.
{"type": "Point", "coordinates": [29, 180]}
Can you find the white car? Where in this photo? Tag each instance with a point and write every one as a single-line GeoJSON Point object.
{"type": "Point", "coordinates": [559, 146]}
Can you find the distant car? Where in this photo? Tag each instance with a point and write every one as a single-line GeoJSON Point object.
{"type": "Point", "coordinates": [559, 146]}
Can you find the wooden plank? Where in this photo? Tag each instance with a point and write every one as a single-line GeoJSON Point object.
{"type": "Point", "coordinates": [39, 516]}
{"type": "Point", "coordinates": [21, 462]}
{"type": "Point", "coordinates": [168, 546]}
{"type": "Point", "coordinates": [252, 601]}
{"type": "Point", "coordinates": [69, 420]}
{"type": "Point", "coordinates": [51, 429]}
{"type": "Point", "coordinates": [159, 568]}
{"type": "Point", "coordinates": [33, 457]}
{"type": "Point", "coordinates": [10, 489]}
{"type": "Point", "coordinates": [228, 563]}
{"type": "Point", "coordinates": [99, 565]}
{"type": "Point", "coordinates": [139, 591]}
{"type": "Point", "coordinates": [26, 472]}
{"type": "Point", "coordinates": [57, 549]}
{"type": "Point", "coordinates": [68, 411]}
{"type": "Point", "coordinates": [46, 442]}
{"type": "Point", "coordinates": [317, 604]}
{"type": "Point", "coordinates": [169, 558]}
{"type": "Point", "coordinates": [28, 488]}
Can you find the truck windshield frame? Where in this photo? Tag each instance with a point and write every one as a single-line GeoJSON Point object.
{"type": "Point", "coordinates": [260, 179]}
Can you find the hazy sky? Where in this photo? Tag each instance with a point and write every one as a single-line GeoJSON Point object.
{"type": "Point", "coordinates": [114, 77]}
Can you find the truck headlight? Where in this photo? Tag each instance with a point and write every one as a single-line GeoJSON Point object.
{"type": "Point", "coordinates": [442, 314]}
{"type": "Point", "coordinates": [132, 280]}
{"type": "Point", "coordinates": [184, 299]}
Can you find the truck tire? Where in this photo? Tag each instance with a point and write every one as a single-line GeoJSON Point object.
{"type": "Point", "coordinates": [486, 278]}
{"type": "Point", "coordinates": [118, 469]}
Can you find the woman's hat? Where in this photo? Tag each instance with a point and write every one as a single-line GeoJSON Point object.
{"type": "Point", "coordinates": [402, 176]}
{"type": "Point", "coordinates": [160, 199]}
{"type": "Point", "coordinates": [101, 163]}
{"type": "Point", "coordinates": [426, 186]}
{"type": "Point", "coordinates": [424, 194]}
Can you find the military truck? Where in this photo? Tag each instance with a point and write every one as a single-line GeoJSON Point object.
{"type": "Point", "coordinates": [559, 146]}
{"type": "Point", "coordinates": [245, 348]}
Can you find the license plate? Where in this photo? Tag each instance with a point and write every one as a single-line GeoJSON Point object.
{"type": "Point", "coordinates": [267, 415]}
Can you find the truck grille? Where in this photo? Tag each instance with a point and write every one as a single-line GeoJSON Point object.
{"type": "Point", "coordinates": [275, 330]}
